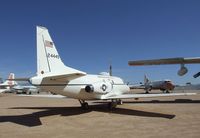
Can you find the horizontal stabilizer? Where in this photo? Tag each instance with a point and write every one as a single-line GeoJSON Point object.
{"type": "Point", "coordinates": [61, 77]}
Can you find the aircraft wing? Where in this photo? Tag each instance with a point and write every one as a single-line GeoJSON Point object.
{"type": "Point", "coordinates": [179, 60]}
{"type": "Point", "coordinates": [43, 96]}
{"type": "Point", "coordinates": [2, 90]}
{"type": "Point", "coordinates": [123, 96]}
{"type": "Point", "coordinates": [130, 96]}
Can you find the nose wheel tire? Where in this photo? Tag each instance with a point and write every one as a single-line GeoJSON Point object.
{"type": "Point", "coordinates": [85, 106]}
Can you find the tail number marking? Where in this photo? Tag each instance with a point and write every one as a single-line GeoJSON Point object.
{"type": "Point", "coordinates": [53, 56]}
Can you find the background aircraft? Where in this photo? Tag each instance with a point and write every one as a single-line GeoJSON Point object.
{"type": "Point", "coordinates": [163, 85]}
{"type": "Point", "coordinates": [8, 84]}
{"type": "Point", "coordinates": [25, 89]}
{"type": "Point", "coordinates": [53, 76]}
{"type": "Point", "coordinates": [180, 60]}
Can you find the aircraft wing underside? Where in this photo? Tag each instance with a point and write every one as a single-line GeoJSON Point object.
{"type": "Point", "coordinates": [180, 60]}
{"type": "Point", "coordinates": [129, 96]}
{"type": "Point", "coordinates": [123, 96]}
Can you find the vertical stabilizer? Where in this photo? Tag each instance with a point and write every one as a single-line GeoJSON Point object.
{"type": "Point", "coordinates": [10, 81]}
{"type": "Point", "coordinates": [146, 80]}
{"type": "Point", "coordinates": [48, 59]}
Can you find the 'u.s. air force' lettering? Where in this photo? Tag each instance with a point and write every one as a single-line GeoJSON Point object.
{"type": "Point", "coordinates": [53, 56]}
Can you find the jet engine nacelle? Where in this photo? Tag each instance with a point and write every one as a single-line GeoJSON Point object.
{"type": "Point", "coordinates": [183, 70]}
{"type": "Point", "coordinates": [103, 88]}
{"type": "Point", "coordinates": [89, 88]}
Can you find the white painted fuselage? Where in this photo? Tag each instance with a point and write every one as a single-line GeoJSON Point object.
{"type": "Point", "coordinates": [101, 86]}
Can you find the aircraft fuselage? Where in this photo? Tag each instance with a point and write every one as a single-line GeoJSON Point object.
{"type": "Point", "coordinates": [86, 87]}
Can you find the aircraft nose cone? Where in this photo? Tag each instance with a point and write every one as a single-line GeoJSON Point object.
{"type": "Point", "coordinates": [169, 86]}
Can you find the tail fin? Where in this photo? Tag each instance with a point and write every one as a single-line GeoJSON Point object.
{"type": "Point", "coordinates": [48, 59]}
{"type": "Point", "coordinates": [10, 81]}
{"type": "Point", "coordinates": [146, 80]}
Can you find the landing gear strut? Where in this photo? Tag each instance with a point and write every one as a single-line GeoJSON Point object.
{"type": "Point", "coordinates": [167, 91]}
{"type": "Point", "coordinates": [119, 101]}
{"type": "Point", "coordinates": [84, 105]}
{"type": "Point", "coordinates": [147, 92]}
{"type": "Point", "coordinates": [113, 104]}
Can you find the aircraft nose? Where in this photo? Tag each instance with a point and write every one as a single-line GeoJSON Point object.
{"type": "Point", "coordinates": [170, 86]}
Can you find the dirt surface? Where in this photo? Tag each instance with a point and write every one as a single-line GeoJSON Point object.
{"type": "Point", "coordinates": [31, 117]}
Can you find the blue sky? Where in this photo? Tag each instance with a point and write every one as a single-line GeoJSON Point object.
{"type": "Point", "coordinates": [89, 34]}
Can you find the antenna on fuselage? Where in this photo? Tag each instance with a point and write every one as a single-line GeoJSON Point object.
{"type": "Point", "coordinates": [110, 68]}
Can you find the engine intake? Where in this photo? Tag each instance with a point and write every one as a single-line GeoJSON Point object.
{"type": "Point", "coordinates": [89, 88]}
{"type": "Point", "coordinates": [183, 70]}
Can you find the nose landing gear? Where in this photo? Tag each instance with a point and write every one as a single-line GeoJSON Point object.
{"type": "Point", "coordinates": [84, 105]}
{"type": "Point", "coordinates": [111, 105]}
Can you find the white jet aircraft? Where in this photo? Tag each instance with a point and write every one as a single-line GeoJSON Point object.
{"type": "Point", "coordinates": [54, 76]}
{"type": "Point", "coordinates": [180, 60]}
{"type": "Point", "coordinates": [8, 84]}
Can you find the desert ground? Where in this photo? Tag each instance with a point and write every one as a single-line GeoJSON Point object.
{"type": "Point", "coordinates": [31, 117]}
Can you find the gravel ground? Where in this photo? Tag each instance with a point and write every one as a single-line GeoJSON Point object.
{"type": "Point", "coordinates": [31, 117]}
